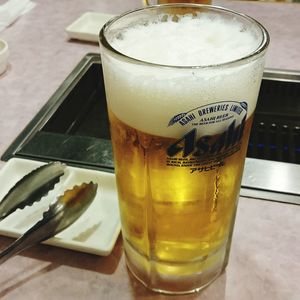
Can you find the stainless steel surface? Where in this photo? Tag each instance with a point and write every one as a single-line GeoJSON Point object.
{"type": "Point", "coordinates": [61, 214]}
{"type": "Point", "coordinates": [31, 188]}
{"type": "Point", "coordinates": [271, 180]}
{"type": "Point", "coordinates": [282, 75]}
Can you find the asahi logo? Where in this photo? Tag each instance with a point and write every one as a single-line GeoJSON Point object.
{"type": "Point", "coordinates": [230, 116]}
{"type": "Point", "coordinates": [207, 144]}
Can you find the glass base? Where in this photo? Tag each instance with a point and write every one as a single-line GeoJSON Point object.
{"type": "Point", "coordinates": [170, 278]}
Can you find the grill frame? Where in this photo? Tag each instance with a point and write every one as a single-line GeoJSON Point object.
{"type": "Point", "coordinates": [260, 180]}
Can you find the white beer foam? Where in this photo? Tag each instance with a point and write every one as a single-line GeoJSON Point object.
{"type": "Point", "coordinates": [146, 97]}
{"type": "Point", "coordinates": [190, 41]}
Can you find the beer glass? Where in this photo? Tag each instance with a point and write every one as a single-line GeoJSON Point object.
{"type": "Point", "coordinates": [181, 93]}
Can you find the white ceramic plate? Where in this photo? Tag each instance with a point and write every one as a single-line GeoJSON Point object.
{"type": "Point", "coordinates": [96, 231]}
{"type": "Point", "coordinates": [88, 26]}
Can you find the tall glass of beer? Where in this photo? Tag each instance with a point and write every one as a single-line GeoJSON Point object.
{"type": "Point", "coordinates": [181, 81]}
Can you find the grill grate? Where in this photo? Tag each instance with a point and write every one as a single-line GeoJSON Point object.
{"type": "Point", "coordinates": [275, 141]}
{"type": "Point", "coordinates": [275, 133]}
{"type": "Point", "coordinates": [76, 117]}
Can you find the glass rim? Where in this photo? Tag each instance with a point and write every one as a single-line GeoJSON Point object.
{"type": "Point", "coordinates": [258, 51]}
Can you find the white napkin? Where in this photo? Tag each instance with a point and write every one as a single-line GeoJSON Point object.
{"type": "Point", "coordinates": [12, 10]}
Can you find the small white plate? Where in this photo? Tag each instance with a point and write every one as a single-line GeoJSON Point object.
{"type": "Point", "coordinates": [88, 26]}
{"type": "Point", "coordinates": [96, 231]}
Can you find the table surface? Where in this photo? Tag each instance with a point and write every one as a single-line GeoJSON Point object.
{"type": "Point", "coordinates": [265, 256]}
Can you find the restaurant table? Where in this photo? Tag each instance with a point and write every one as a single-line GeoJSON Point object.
{"type": "Point", "coordinates": [265, 255]}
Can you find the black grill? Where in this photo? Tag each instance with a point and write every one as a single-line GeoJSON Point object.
{"type": "Point", "coordinates": [275, 133]}
{"type": "Point", "coordinates": [73, 125]}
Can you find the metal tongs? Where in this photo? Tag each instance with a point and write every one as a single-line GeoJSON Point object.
{"type": "Point", "coordinates": [63, 212]}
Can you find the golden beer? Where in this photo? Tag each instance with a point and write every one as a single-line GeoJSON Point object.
{"type": "Point", "coordinates": [180, 112]}
{"type": "Point", "coordinates": [173, 214]}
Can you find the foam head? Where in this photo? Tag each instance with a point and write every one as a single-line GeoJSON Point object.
{"type": "Point", "coordinates": [175, 63]}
